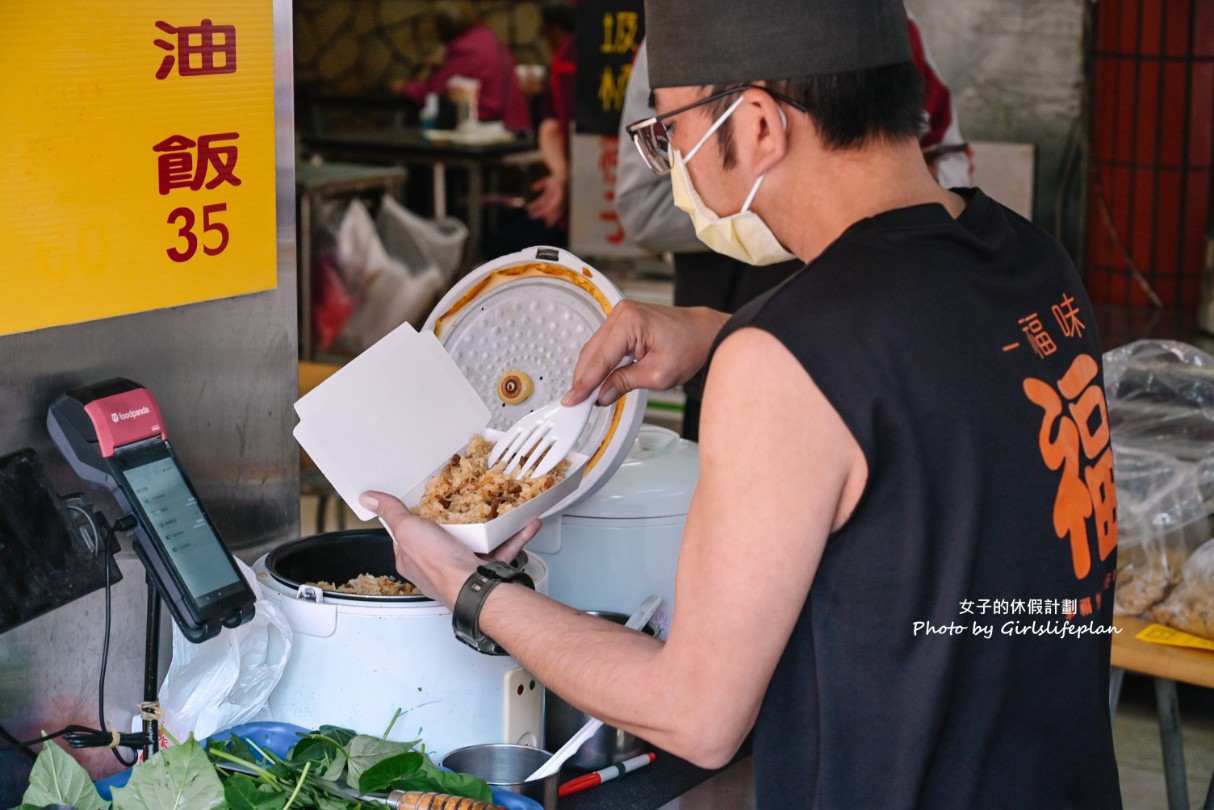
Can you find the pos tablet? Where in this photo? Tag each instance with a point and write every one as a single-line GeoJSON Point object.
{"type": "Point", "coordinates": [112, 434]}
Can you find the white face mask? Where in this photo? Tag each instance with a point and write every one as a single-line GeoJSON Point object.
{"type": "Point", "coordinates": [742, 236]}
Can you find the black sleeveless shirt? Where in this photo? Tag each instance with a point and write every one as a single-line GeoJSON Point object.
{"type": "Point", "coordinates": [954, 648]}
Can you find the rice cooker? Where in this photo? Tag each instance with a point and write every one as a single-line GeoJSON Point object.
{"type": "Point", "coordinates": [358, 659]}
{"type": "Point", "coordinates": [514, 327]}
{"type": "Point", "coordinates": [609, 551]}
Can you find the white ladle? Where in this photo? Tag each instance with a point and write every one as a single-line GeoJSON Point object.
{"type": "Point", "coordinates": [636, 621]}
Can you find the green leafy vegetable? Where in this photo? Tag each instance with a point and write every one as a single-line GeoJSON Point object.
{"type": "Point", "coordinates": [327, 748]}
{"type": "Point", "coordinates": [461, 784]}
{"type": "Point", "coordinates": [57, 778]}
{"type": "Point", "coordinates": [415, 771]}
{"type": "Point", "coordinates": [385, 774]}
{"type": "Point", "coordinates": [178, 778]}
{"type": "Point", "coordinates": [366, 751]}
{"type": "Point", "coordinates": [243, 793]}
{"type": "Point", "coordinates": [237, 774]}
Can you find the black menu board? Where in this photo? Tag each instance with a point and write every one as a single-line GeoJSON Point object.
{"type": "Point", "coordinates": [608, 33]}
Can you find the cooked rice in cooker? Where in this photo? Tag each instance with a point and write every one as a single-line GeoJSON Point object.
{"type": "Point", "coordinates": [467, 490]}
{"type": "Point", "coordinates": [371, 585]}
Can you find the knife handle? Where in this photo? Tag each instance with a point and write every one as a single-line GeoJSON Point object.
{"type": "Point", "coordinates": [416, 800]}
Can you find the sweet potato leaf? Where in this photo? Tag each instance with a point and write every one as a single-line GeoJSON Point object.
{"type": "Point", "coordinates": [238, 747]}
{"type": "Point", "coordinates": [57, 778]}
{"type": "Point", "coordinates": [178, 778]}
{"type": "Point", "coordinates": [365, 751]}
{"type": "Point", "coordinates": [415, 771]}
{"type": "Point", "coordinates": [245, 793]}
{"type": "Point", "coordinates": [461, 784]}
{"type": "Point", "coordinates": [384, 774]}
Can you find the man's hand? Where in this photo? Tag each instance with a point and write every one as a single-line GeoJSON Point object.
{"type": "Point", "coordinates": [670, 345]}
{"type": "Point", "coordinates": [431, 558]}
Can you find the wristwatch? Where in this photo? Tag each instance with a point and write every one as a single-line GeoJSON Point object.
{"type": "Point", "coordinates": [465, 618]}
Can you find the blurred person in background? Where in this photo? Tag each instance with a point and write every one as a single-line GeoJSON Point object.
{"type": "Point", "coordinates": [470, 49]}
{"type": "Point", "coordinates": [545, 219]}
{"type": "Point", "coordinates": [703, 278]}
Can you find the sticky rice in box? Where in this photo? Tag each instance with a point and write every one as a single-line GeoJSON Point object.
{"type": "Point", "coordinates": [484, 537]}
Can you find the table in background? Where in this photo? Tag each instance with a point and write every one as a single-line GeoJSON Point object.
{"type": "Point", "coordinates": [407, 146]}
{"type": "Point", "coordinates": [1166, 665]}
{"type": "Point", "coordinates": [313, 185]}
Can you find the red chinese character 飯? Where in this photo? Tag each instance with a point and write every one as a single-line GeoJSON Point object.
{"type": "Point", "coordinates": [185, 163]}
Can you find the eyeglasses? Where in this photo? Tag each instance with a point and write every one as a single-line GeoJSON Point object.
{"type": "Point", "coordinates": [652, 135]}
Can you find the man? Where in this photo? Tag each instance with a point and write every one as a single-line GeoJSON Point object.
{"type": "Point", "coordinates": [903, 447]}
{"type": "Point", "coordinates": [708, 279]}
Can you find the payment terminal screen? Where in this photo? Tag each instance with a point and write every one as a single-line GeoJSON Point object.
{"type": "Point", "coordinates": [185, 533]}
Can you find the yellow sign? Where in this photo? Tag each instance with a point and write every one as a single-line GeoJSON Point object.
{"type": "Point", "coordinates": [136, 156]}
{"type": "Point", "coordinates": [1162, 634]}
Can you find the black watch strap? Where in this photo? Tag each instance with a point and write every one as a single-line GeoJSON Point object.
{"type": "Point", "coordinates": [465, 618]}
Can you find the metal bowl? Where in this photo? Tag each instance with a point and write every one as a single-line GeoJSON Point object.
{"type": "Point", "coordinates": [505, 766]}
{"type": "Point", "coordinates": [608, 745]}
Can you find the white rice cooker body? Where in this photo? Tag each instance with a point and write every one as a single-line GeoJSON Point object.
{"type": "Point", "coordinates": [610, 551]}
{"type": "Point", "coordinates": [354, 663]}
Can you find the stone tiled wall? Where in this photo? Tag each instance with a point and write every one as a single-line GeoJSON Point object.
{"type": "Point", "coordinates": [359, 47]}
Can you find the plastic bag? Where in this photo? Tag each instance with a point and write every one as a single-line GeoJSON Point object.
{"type": "Point", "coordinates": [1160, 397]}
{"type": "Point", "coordinates": [332, 304]}
{"type": "Point", "coordinates": [405, 234]}
{"type": "Point", "coordinates": [1190, 605]}
{"type": "Point", "coordinates": [389, 291]}
{"type": "Point", "coordinates": [1161, 520]}
{"type": "Point", "coordinates": [226, 680]}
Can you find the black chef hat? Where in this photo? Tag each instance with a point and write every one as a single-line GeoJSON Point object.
{"type": "Point", "coordinates": [701, 42]}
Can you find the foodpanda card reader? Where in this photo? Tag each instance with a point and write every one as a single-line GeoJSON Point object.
{"type": "Point", "coordinates": [112, 434]}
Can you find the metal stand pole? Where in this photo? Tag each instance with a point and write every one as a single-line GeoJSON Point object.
{"type": "Point", "coordinates": [1173, 749]}
{"type": "Point", "coordinates": [151, 672]}
{"type": "Point", "coordinates": [1116, 678]}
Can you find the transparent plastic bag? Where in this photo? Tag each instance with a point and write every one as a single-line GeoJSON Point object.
{"type": "Point", "coordinates": [226, 680]}
{"type": "Point", "coordinates": [1190, 605]}
{"type": "Point", "coordinates": [390, 290]}
{"type": "Point", "coordinates": [1161, 409]}
{"type": "Point", "coordinates": [405, 234]}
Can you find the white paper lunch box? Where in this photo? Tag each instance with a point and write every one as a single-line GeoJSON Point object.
{"type": "Point", "coordinates": [392, 417]}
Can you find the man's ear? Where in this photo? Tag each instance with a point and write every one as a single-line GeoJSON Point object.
{"type": "Point", "coordinates": [770, 142]}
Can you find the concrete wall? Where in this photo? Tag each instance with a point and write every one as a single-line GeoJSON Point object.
{"type": "Point", "coordinates": [1015, 68]}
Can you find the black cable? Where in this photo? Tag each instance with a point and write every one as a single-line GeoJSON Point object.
{"type": "Point", "coordinates": [78, 737]}
{"type": "Point", "coordinates": [17, 745]}
{"type": "Point", "coordinates": [82, 736]}
{"type": "Point", "coordinates": [124, 523]}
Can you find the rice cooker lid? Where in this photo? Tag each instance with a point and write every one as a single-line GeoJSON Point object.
{"type": "Point", "coordinates": [656, 480]}
{"type": "Point", "coordinates": [515, 325]}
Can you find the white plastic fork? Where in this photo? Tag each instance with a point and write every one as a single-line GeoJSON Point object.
{"type": "Point", "coordinates": [541, 439]}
